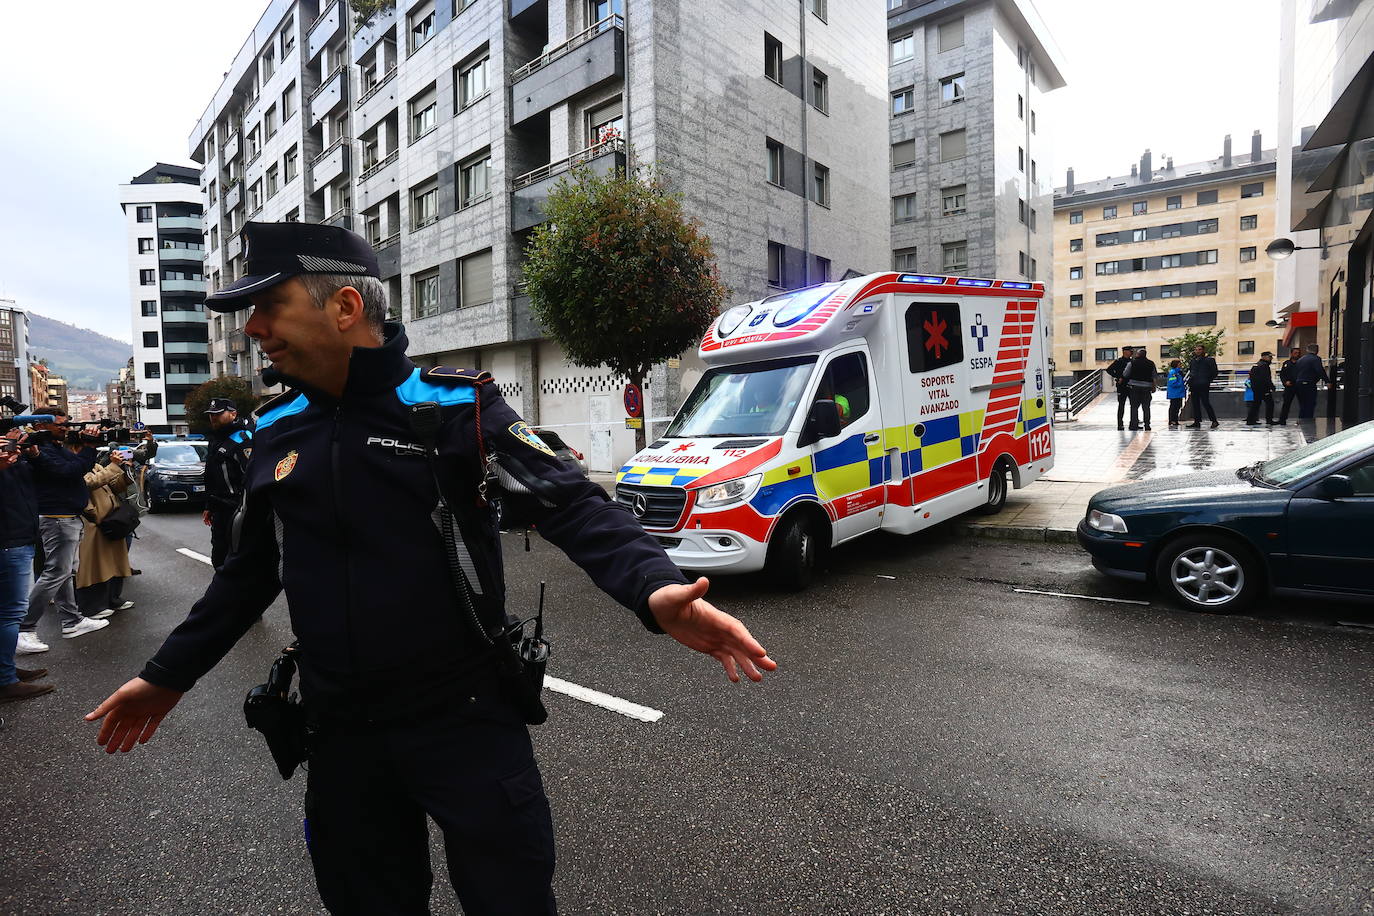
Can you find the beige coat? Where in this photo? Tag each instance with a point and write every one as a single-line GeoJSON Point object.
{"type": "Point", "coordinates": [101, 558]}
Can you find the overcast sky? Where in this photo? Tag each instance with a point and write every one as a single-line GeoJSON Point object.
{"type": "Point", "coordinates": [125, 82]}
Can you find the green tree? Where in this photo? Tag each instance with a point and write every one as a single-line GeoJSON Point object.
{"type": "Point", "coordinates": [226, 386]}
{"type": "Point", "coordinates": [1181, 347]}
{"type": "Point", "coordinates": [364, 11]}
{"type": "Point", "coordinates": [619, 275]}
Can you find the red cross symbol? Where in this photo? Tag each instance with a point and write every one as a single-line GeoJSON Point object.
{"type": "Point", "coordinates": [686, 446]}
{"type": "Point", "coordinates": [935, 328]}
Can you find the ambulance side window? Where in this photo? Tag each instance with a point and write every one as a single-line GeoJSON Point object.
{"type": "Point", "coordinates": [934, 335]}
{"type": "Point", "coordinates": [846, 383]}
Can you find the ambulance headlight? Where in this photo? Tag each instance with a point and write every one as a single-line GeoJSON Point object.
{"type": "Point", "coordinates": [731, 491]}
{"type": "Point", "coordinates": [1105, 521]}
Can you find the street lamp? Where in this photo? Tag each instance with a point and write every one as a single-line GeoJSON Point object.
{"type": "Point", "coordinates": [1282, 249]}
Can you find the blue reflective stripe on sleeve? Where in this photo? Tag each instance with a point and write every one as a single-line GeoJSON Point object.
{"type": "Point", "coordinates": [416, 390]}
{"type": "Point", "coordinates": [240, 435]}
{"type": "Point", "coordinates": [291, 408]}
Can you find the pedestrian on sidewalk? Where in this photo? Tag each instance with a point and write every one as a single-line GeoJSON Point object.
{"type": "Point", "coordinates": [1140, 380]}
{"type": "Point", "coordinates": [18, 534]}
{"type": "Point", "coordinates": [1176, 389]}
{"type": "Point", "coordinates": [1202, 371]}
{"type": "Point", "coordinates": [1261, 391]}
{"type": "Point", "coordinates": [1290, 385]}
{"type": "Point", "coordinates": [1117, 370]}
{"type": "Point", "coordinates": [104, 563]}
{"type": "Point", "coordinates": [59, 472]}
{"type": "Point", "coordinates": [1306, 374]}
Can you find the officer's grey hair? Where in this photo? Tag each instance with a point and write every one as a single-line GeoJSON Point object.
{"type": "Point", "coordinates": [1312, 348]}
{"type": "Point", "coordinates": [322, 286]}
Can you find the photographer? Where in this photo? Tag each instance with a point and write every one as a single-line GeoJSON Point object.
{"type": "Point", "coordinates": [59, 470]}
{"type": "Point", "coordinates": [435, 725]}
{"type": "Point", "coordinates": [18, 534]}
{"type": "Point", "coordinates": [104, 563]}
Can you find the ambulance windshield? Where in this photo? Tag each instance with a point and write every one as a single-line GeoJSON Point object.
{"type": "Point", "coordinates": [754, 399]}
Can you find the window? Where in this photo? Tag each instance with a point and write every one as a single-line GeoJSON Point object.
{"type": "Point", "coordinates": [598, 10]}
{"type": "Point", "coordinates": [294, 216]}
{"type": "Point", "coordinates": [1171, 231]}
{"type": "Point", "coordinates": [288, 36]}
{"type": "Point", "coordinates": [273, 180]}
{"type": "Point", "coordinates": [1205, 288]}
{"type": "Point", "coordinates": [290, 164]}
{"type": "Point", "coordinates": [424, 204]}
{"type": "Point", "coordinates": [605, 122]}
{"type": "Point", "coordinates": [150, 340]}
{"type": "Point", "coordinates": [953, 199]}
{"type": "Point", "coordinates": [1075, 244]}
{"type": "Point", "coordinates": [152, 370]}
{"type": "Point", "coordinates": [955, 255]}
{"type": "Point", "coordinates": [817, 7]}
{"type": "Point", "coordinates": [475, 180]}
{"type": "Point", "coordinates": [1171, 260]}
{"type": "Point", "coordinates": [1139, 235]}
{"type": "Point", "coordinates": [423, 110]}
{"type": "Point", "coordinates": [147, 277]}
{"type": "Point", "coordinates": [1020, 159]}
{"type": "Point", "coordinates": [953, 145]}
{"type": "Point", "coordinates": [1021, 107]}
{"type": "Point", "coordinates": [952, 88]}
{"type": "Point", "coordinates": [1249, 222]}
{"type": "Point", "coordinates": [144, 214]}
{"type": "Point", "coordinates": [269, 64]}
{"type": "Point", "coordinates": [1107, 267]}
{"type": "Point", "coordinates": [1205, 226]}
{"type": "Point", "coordinates": [904, 208]}
{"type": "Point", "coordinates": [951, 34]}
{"type": "Point", "coordinates": [1021, 210]}
{"type": "Point", "coordinates": [1140, 208]}
{"type": "Point", "coordinates": [288, 103]}
{"type": "Point", "coordinates": [1138, 295]}
{"type": "Point", "coordinates": [905, 259]}
{"type": "Point", "coordinates": [474, 279]}
{"type": "Point", "coordinates": [1030, 210]}
{"type": "Point", "coordinates": [775, 161]}
{"type": "Point", "coordinates": [1022, 265]}
{"type": "Point", "coordinates": [211, 190]}
{"type": "Point", "coordinates": [1246, 316]}
{"type": "Point", "coordinates": [255, 197]}
{"type": "Point", "coordinates": [152, 401]}
{"type": "Point", "coordinates": [1206, 197]}
{"type": "Point", "coordinates": [772, 58]}
{"type": "Point", "coordinates": [903, 154]}
{"type": "Point", "coordinates": [1252, 190]}
{"type": "Point", "coordinates": [1174, 202]}
{"type": "Point", "coordinates": [1075, 356]}
{"type": "Point", "coordinates": [372, 227]}
{"type": "Point", "coordinates": [254, 145]}
{"type": "Point", "coordinates": [145, 246]}
{"type": "Point", "coordinates": [269, 121]}
{"type": "Point", "coordinates": [368, 75]}
{"type": "Point", "coordinates": [934, 337]}
{"type": "Point", "coordinates": [1075, 328]}
{"type": "Point", "coordinates": [473, 81]}
{"type": "Point", "coordinates": [902, 48]}
{"type": "Point", "coordinates": [1075, 273]}
{"type": "Point", "coordinates": [1207, 257]}
{"type": "Point", "coordinates": [425, 292]}
{"type": "Point", "coordinates": [775, 261]}
{"type": "Point", "coordinates": [820, 90]}
{"type": "Point", "coordinates": [820, 184]}
{"type": "Point", "coordinates": [846, 382]}
{"type": "Point", "coordinates": [149, 308]}
{"type": "Point", "coordinates": [1075, 217]}
{"type": "Point", "coordinates": [1247, 285]}
{"type": "Point", "coordinates": [1104, 354]}
{"type": "Point", "coordinates": [421, 25]}
{"type": "Point", "coordinates": [1171, 292]}
{"type": "Point", "coordinates": [894, 4]}
{"type": "Point", "coordinates": [903, 100]}
{"type": "Point", "coordinates": [1109, 212]}
{"type": "Point", "coordinates": [1032, 122]}
{"type": "Point", "coordinates": [1245, 347]}
{"type": "Point", "coordinates": [1076, 301]}
{"type": "Point", "coordinates": [1249, 253]}
{"type": "Point", "coordinates": [822, 274]}
{"type": "Point", "coordinates": [372, 150]}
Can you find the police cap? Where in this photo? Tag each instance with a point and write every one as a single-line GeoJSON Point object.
{"type": "Point", "coordinates": [220, 405]}
{"type": "Point", "coordinates": [276, 252]}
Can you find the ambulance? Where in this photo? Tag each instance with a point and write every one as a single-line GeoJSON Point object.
{"type": "Point", "coordinates": [893, 401]}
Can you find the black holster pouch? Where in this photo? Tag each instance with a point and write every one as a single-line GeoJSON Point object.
{"type": "Point", "coordinates": [275, 711]}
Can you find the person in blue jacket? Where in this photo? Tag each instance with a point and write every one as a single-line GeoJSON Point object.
{"type": "Point", "coordinates": [1176, 389]}
{"type": "Point", "coordinates": [339, 512]}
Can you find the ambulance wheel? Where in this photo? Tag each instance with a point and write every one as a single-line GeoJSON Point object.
{"type": "Point", "coordinates": [792, 554]}
{"type": "Point", "coordinates": [997, 490]}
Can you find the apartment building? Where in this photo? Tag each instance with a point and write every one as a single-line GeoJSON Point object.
{"type": "Point", "coordinates": [1141, 258]}
{"type": "Point", "coordinates": [166, 258]}
{"type": "Point", "coordinates": [438, 129]}
{"type": "Point", "coordinates": [15, 378]}
{"type": "Point", "coordinates": [970, 152]}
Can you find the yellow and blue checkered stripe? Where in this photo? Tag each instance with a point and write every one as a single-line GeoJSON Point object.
{"type": "Point", "coordinates": [659, 477]}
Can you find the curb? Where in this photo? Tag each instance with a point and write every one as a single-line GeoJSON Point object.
{"type": "Point", "coordinates": [1022, 533]}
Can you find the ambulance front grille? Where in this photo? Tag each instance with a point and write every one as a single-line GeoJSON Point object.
{"type": "Point", "coordinates": [661, 507]}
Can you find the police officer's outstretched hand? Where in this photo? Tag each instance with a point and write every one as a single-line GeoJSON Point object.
{"type": "Point", "coordinates": [684, 614]}
{"type": "Point", "coordinates": [132, 714]}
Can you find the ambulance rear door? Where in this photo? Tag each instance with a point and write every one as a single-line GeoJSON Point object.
{"type": "Point", "coordinates": [850, 469]}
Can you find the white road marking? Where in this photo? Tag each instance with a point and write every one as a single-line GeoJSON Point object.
{"type": "Point", "coordinates": [604, 700]}
{"type": "Point", "coordinates": [187, 552]}
{"type": "Point", "coordinates": [1031, 591]}
{"type": "Point", "coordinates": [887, 577]}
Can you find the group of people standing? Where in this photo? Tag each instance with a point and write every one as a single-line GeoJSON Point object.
{"type": "Point", "coordinates": [1135, 374]}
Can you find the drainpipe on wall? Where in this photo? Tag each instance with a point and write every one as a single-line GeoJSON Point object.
{"type": "Point", "coordinates": [806, 158]}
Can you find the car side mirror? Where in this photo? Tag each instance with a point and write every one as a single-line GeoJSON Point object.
{"type": "Point", "coordinates": [822, 422]}
{"type": "Point", "coordinates": [1336, 486]}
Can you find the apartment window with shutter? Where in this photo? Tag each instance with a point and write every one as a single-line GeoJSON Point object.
{"type": "Point", "coordinates": [1252, 190]}
{"type": "Point", "coordinates": [1076, 301]}
{"type": "Point", "coordinates": [820, 184]}
{"type": "Point", "coordinates": [425, 293]}
{"type": "Point", "coordinates": [1140, 208]}
{"type": "Point", "coordinates": [951, 34]}
{"type": "Point", "coordinates": [144, 214]}
{"type": "Point", "coordinates": [1249, 222]}
{"type": "Point", "coordinates": [774, 166]}
{"type": "Point", "coordinates": [149, 308]}
{"type": "Point", "coordinates": [1247, 285]}
{"type": "Point", "coordinates": [1246, 316]}
{"type": "Point", "coordinates": [147, 277]}
{"type": "Point", "coordinates": [1075, 244]}
{"type": "Point", "coordinates": [952, 89]}
{"type": "Point", "coordinates": [954, 199]}
{"type": "Point", "coordinates": [903, 101]}
{"type": "Point", "coordinates": [475, 181]}
{"type": "Point", "coordinates": [1109, 212]}
{"type": "Point", "coordinates": [288, 103]}
{"type": "Point", "coordinates": [474, 278]}
{"type": "Point", "coordinates": [953, 145]}
{"type": "Point", "coordinates": [288, 36]}
{"type": "Point", "coordinates": [1075, 273]}
{"type": "Point", "coordinates": [423, 111]}
{"type": "Point", "coordinates": [1249, 253]}
{"type": "Point", "coordinates": [273, 180]}
{"type": "Point", "coordinates": [1075, 328]}
{"type": "Point", "coordinates": [820, 91]}
{"type": "Point", "coordinates": [145, 246]}
{"type": "Point", "coordinates": [1075, 217]}
{"type": "Point", "coordinates": [473, 81]}
{"type": "Point", "coordinates": [955, 255]}
{"type": "Point", "coordinates": [424, 204]}
{"type": "Point", "coordinates": [903, 154]}
{"type": "Point", "coordinates": [291, 164]}
{"type": "Point", "coordinates": [1206, 197]}
{"type": "Point", "coordinates": [904, 208]}
{"type": "Point", "coordinates": [1207, 257]}
{"type": "Point", "coordinates": [1174, 202]}
{"type": "Point", "coordinates": [902, 48]}
{"type": "Point", "coordinates": [421, 22]}
{"type": "Point", "coordinates": [1245, 348]}
{"type": "Point", "coordinates": [150, 340]}
{"type": "Point", "coordinates": [905, 259]}
{"type": "Point", "coordinates": [1075, 356]}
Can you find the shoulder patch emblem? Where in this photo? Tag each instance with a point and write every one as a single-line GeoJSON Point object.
{"type": "Point", "coordinates": [286, 465]}
{"type": "Point", "coordinates": [526, 435]}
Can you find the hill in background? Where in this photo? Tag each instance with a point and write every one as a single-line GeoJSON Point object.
{"type": "Point", "coordinates": [87, 360]}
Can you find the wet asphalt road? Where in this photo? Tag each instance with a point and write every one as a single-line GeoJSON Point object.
{"type": "Point", "coordinates": [934, 742]}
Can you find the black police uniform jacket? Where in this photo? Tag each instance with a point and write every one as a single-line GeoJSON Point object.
{"type": "Point", "coordinates": [226, 465]}
{"type": "Point", "coordinates": [339, 512]}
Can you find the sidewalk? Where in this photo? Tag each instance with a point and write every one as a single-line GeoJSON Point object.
{"type": "Point", "coordinates": [1091, 454]}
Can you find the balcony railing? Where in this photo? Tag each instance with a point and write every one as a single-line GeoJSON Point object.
{"type": "Point", "coordinates": [180, 222]}
{"type": "Point", "coordinates": [614, 21]}
{"type": "Point", "coordinates": [380, 164]}
{"type": "Point", "coordinates": [390, 75]}
{"type": "Point", "coordinates": [324, 83]}
{"type": "Point", "coordinates": [330, 148]}
{"type": "Point", "coordinates": [614, 145]}
{"type": "Point", "coordinates": [340, 217]}
{"type": "Point", "coordinates": [390, 239]}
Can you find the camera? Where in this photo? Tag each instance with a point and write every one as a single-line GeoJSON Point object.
{"type": "Point", "coordinates": [109, 432]}
{"type": "Point", "coordinates": [12, 405]}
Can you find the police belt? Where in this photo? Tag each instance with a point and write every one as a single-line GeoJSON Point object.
{"type": "Point", "coordinates": [411, 698]}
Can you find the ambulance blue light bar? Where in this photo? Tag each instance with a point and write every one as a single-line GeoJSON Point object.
{"type": "Point", "coordinates": [968, 282]}
{"type": "Point", "coordinates": [919, 278]}
{"type": "Point", "coordinates": [1008, 284]}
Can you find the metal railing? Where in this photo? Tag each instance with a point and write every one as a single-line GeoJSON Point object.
{"type": "Point", "coordinates": [614, 21]}
{"type": "Point", "coordinates": [380, 164]}
{"type": "Point", "coordinates": [390, 74]}
{"type": "Point", "coordinates": [1069, 402]}
{"type": "Point", "coordinates": [382, 243]}
{"type": "Point", "coordinates": [614, 145]}
{"type": "Point", "coordinates": [324, 83]}
{"type": "Point", "coordinates": [329, 149]}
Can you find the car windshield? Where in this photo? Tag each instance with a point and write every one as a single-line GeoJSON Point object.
{"type": "Point", "coordinates": [756, 399]}
{"type": "Point", "coordinates": [1315, 455]}
{"type": "Point", "coordinates": [180, 453]}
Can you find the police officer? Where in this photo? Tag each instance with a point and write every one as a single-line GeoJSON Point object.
{"type": "Point", "coordinates": [231, 442]}
{"type": "Point", "coordinates": [1306, 373]}
{"type": "Point", "coordinates": [1117, 370]}
{"type": "Point", "coordinates": [1290, 388]}
{"type": "Point", "coordinates": [340, 494]}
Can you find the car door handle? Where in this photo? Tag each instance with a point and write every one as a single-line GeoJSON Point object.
{"type": "Point", "coordinates": [871, 437]}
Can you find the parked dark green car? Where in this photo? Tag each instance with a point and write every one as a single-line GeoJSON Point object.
{"type": "Point", "coordinates": [1215, 541]}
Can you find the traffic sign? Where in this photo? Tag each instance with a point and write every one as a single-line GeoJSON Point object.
{"type": "Point", "coordinates": [634, 422]}
{"type": "Point", "coordinates": [140, 426]}
{"type": "Point", "coordinates": [634, 401]}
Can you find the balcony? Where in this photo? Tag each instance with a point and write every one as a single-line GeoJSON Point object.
{"type": "Point", "coordinates": [377, 104]}
{"type": "Point", "coordinates": [519, 8]}
{"type": "Point", "coordinates": [196, 255]}
{"type": "Point", "coordinates": [332, 94]}
{"type": "Point", "coordinates": [186, 378]}
{"type": "Point", "coordinates": [233, 247]}
{"type": "Point", "coordinates": [189, 317]}
{"type": "Point", "coordinates": [230, 150]}
{"type": "Point", "coordinates": [378, 182]}
{"type": "Point", "coordinates": [323, 29]}
{"type": "Point", "coordinates": [180, 348]}
{"type": "Point", "coordinates": [365, 38]}
{"type": "Point", "coordinates": [236, 341]}
{"type": "Point", "coordinates": [174, 223]}
{"type": "Point", "coordinates": [331, 164]}
{"type": "Point", "coordinates": [176, 411]}
{"type": "Point", "coordinates": [233, 197]}
{"type": "Point", "coordinates": [183, 286]}
{"type": "Point", "coordinates": [594, 56]}
{"type": "Point", "coordinates": [340, 217]}
{"type": "Point", "coordinates": [530, 191]}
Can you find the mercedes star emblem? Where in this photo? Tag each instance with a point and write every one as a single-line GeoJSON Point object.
{"type": "Point", "coordinates": [640, 506]}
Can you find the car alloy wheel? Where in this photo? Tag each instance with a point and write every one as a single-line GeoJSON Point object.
{"type": "Point", "coordinates": [1208, 576]}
